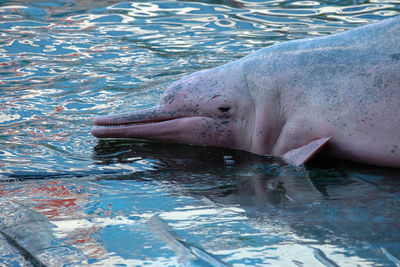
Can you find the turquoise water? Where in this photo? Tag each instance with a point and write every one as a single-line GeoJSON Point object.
{"type": "Point", "coordinates": [64, 62]}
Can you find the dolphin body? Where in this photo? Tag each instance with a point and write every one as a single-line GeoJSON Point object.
{"type": "Point", "coordinates": [339, 94]}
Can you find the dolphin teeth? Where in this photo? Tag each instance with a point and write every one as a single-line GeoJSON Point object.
{"type": "Point", "coordinates": [131, 124]}
{"type": "Point", "coordinates": [126, 124]}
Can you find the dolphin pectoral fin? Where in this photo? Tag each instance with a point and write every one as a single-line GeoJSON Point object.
{"type": "Point", "coordinates": [300, 155]}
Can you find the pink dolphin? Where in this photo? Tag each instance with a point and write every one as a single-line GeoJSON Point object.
{"type": "Point", "coordinates": [339, 94]}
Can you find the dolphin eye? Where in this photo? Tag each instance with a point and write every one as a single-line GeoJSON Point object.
{"type": "Point", "coordinates": [224, 109]}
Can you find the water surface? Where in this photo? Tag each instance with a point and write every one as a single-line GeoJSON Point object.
{"type": "Point", "coordinates": [64, 62]}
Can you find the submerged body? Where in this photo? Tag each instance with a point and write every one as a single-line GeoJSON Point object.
{"type": "Point", "coordinates": [339, 93]}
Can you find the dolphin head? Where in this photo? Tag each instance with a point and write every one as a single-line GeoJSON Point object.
{"type": "Point", "coordinates": [206, 108]}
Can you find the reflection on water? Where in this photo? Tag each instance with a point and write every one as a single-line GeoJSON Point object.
{"type": "Point", "coordinates": [63, 62]}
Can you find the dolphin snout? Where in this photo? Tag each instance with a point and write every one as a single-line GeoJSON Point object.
{"type": "Point", "coordinates": [99, 120]}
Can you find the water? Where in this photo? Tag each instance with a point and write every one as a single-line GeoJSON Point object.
{"type": "Point", "coordinates": [64, 62]}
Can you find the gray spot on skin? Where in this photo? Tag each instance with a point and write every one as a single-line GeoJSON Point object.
{"type": "Point", "coordinates": [395, 57]}
{"type": "Point", "coordinates": [394, 149]}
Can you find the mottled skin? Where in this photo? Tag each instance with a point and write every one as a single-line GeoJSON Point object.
{"type": "Point", "coordinates": [345, 87]}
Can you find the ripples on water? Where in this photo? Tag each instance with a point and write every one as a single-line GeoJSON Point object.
{"type": "Point", "coordinates": [63, 62]}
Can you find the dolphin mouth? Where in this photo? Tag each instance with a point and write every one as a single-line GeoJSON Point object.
{"type": "Point", "coordinates": [110, 127]}
{"type": "Point", "coordinates": [128, 124]}
{"type": "Point", "coordinates": [146, 124]}
{"type": "Point", "coordinates": [158, 125]}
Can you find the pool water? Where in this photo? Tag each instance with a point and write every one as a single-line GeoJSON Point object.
{"type": "Point", "coordinates": [68, 198]}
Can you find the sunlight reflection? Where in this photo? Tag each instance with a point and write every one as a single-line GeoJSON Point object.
{"type": "Point", "coordinates": [64, 62]}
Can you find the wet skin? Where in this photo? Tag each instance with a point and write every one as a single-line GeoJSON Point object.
{"type": "Point", "coordinates": [339, 94]}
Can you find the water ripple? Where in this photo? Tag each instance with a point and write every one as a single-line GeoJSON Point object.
{"type": "Point", "coordinates": [63, 62]}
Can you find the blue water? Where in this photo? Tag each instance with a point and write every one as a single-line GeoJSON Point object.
{"type": "Point", "coordinates": [64, 62]}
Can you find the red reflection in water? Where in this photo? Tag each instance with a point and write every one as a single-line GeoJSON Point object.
{"type": "Point", "coordinates": [63, 202]}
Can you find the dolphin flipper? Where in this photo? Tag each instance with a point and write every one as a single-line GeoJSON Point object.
{"type": "Point", "coordinates": [300, 155]}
